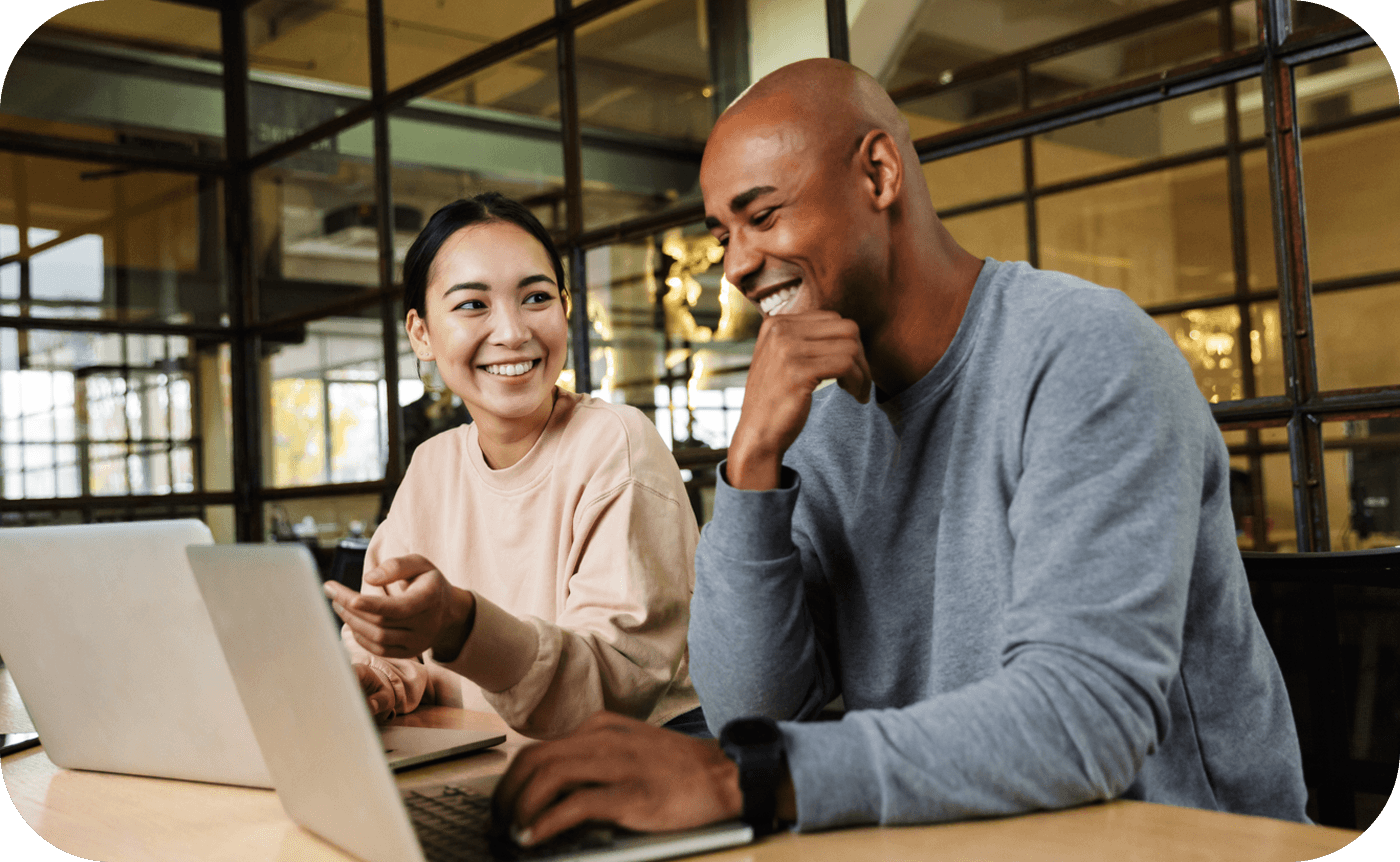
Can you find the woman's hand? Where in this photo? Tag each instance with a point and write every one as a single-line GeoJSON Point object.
{"type": "Point", "coordinates": [419, 611]}
{"type": "Point", "coordinates": [378, 693]}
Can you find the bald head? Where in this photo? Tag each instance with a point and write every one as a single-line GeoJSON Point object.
{"type": "Point", "coordinates": [830, 96]}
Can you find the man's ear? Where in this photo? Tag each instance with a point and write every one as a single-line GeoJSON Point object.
{"type": "Point", "coordinates": [882, 167]}
{"type": "Point", "coordinates": [417, 329]}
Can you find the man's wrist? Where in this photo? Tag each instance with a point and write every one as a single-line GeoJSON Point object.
{"type": "Point", "coordinates": [747, 470]}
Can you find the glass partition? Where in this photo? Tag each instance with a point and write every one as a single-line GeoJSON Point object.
{"type": "Point", "coordinates": [422, 36]}
{"type": "Point", "coordinates": [102, 414]}
{"type": "Point", "coordinates": [308, 62]}
{"type": "Point", "coordinates": [325, 403]}
{"type": "Point", "coordinates": [83, 240]}
{"type": "Point", "coordinates": [141, 73]}
{"type": "Point", "coordinates": [315, 235]}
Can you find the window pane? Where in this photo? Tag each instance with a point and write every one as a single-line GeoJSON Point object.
{"type": "Point", "coordinates": [308, 63]}
{"type": "Point", "coordinates": [1258, 220]}
{"type": "Point", "coordinates": [109, 243]}
{"type": "Point", "coordinates": [1281, 528]}
{"type": "Point", "coordinates": [1209, 338]}
{"type": "Point", "coordinates": [683, 363]}
{"type": "Point", "coordinates": [136, 72]}
{"type": "Point", "coordinates": [1124, 140]}
{"type": "Point", "coordinates": [945, 37]}
{"type": "Point", "coordinates": [960, 103]}
{"type": "Point", "coordinates": [1160, 237]}
{"type": "Point", "coordinates": [325, 407]}
{"type": "Point", "coordinates": [1356, 337]}
{"type": "Point", "coordinates": [446, 154]}
{"type": "Point", "coordinates": [998, 233]}
{"type": "Point", "coordinates": [314, 214]}
{"type": "Point", "coordinates": [89, 413]}
{"type": "Point", "coordinates": [643, 83]}
{"type": "Point", "coordinates": [1342, 87]}
{"type": "Point", "coordinates": [1212, 341]}
{"type": "Point", "coordinates": [645, 68]}
{"type": "Point", "coordinates": [526, 85]}
{"type": "Point", "coordinates": [422, 36]}
{"type": "Point", "coordinates": [1351, 181]}
{"type": "Point", "coordinates": [1312, 18]}
{"type": "Point", "coordinates": [976, 176]}
{"type": "Point", "coordinates": [1142, 54]}
{"type": "Point", "coordinates": [1363, 482]}
{"type": "Point", "coordinates": [1266, 349]}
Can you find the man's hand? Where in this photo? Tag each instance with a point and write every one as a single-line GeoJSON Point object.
{"type": "Point", "coordinates": [793, 355]}
{"type": "Point", "coordinates": [620, 770]}
{"type": "Point", "coordinates": [378, 693]}
{"type": "Point", "coordinates": [419, 611]}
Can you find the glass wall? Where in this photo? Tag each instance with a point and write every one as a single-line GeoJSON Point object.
{"type": "Point", "coordinates": [147, 284]}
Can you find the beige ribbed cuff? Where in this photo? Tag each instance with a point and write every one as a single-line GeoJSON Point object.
{"type": "Point", "coordinates": [499, 650]}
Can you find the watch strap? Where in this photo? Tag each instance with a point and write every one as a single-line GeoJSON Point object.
{"type": "Point", "coordinates": [756, 746]}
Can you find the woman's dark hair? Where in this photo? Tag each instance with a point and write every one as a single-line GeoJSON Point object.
{"type": "Point", "coordinates": [481, 209]}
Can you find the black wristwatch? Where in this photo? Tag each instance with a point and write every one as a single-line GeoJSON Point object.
{"type": "Point", "coordinates": [756, 745]}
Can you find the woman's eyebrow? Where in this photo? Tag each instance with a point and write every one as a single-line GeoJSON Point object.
{"type": "Point", "coordinates": [534, 279]}
{"type": "Point", "coordinates": [467, 285]}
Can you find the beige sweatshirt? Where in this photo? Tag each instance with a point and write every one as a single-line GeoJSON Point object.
{"type": "Point", "coordinates": [581, 557]}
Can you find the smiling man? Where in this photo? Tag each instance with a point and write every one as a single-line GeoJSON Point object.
{"type": "Point", "coordinates": [1007, 545]}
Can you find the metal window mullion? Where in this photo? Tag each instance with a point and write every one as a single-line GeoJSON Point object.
{"type": "Point", "coordinates": [1028, 174]}
{"type": "Point", "coordinates": [572, 142]}
{"type": "Point", "coordinates": [384, 192]}
{"type": "Point", "coordinates": [326, 430]}
{"type": "Point", "coordinates": [246, 345]}
{"type": "Point", "coordinates": [1239, 253]}
{"type": "Point", "coordinates": [169, 418]}
{"type": "Point", "coordinates": [838, 36]}
{"type": "Point", "coordinates": [727, 22]}
{"type": "Point", "coordinates": [1295, 310]}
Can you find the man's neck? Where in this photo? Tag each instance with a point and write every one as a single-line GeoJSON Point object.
{"type": "Point", "coordinates": [931, 290]}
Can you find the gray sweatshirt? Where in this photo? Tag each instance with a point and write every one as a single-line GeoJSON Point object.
{"type": "Point", "coordinates": [1020, 574]}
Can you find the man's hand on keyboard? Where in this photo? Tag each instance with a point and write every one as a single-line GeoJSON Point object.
{"type": "Point", "coordinates": [619, 770]}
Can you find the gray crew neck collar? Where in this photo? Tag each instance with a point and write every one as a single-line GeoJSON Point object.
{"type": "Point", "coordinates": [946, 369]}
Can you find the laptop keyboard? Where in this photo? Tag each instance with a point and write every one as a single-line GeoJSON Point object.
{"type": "Point", "coordinates": [454, 825]}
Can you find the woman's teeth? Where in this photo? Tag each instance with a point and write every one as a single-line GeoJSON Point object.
{"type": "Point", "coordinates": [774, 302]}
{"type": "Point", "coordinates": [512, 370]}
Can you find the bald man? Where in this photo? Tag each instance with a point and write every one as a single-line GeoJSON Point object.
{"type": "Point", "coordinates": [1005, 541]}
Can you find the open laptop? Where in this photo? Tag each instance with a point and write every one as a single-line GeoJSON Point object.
{"type": "Point", "coordinates": [319, 742]}
{"type": "Point", "coordinates": [108, 642]}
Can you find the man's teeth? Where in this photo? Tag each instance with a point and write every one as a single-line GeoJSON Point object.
{"type": "Point", "coordinates": [513, 370]}
{"type": "Point", "coordinates": [771, 303]}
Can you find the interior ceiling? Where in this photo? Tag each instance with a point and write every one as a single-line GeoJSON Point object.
{"type": "Point", "coordinates": [947, 35]}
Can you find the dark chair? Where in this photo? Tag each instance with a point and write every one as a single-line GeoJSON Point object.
{"type": "Point", "coordinates": [1333, 620]}
{"type": "Point", "coordinates": [348, 562]}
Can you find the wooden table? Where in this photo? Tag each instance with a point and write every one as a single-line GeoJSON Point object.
{"type": "Point", "coordinates": [115, 818]}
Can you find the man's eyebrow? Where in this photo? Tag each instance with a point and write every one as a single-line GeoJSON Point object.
{"type": "Point", "coordinates": [739, 202]}
{"type": "Point", "coordinates": [743, 199]}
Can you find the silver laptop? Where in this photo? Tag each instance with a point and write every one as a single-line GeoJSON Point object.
{"type": "Point", "coordinates": [107, 640]}
{"type": "Point", "coordinates": [308, 713]}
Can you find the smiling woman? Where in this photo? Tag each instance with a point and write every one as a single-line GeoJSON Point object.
{"type": "Point", "coordinates": [540, 560]}
{"type": "Point", "coordinates": [494, 322]}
